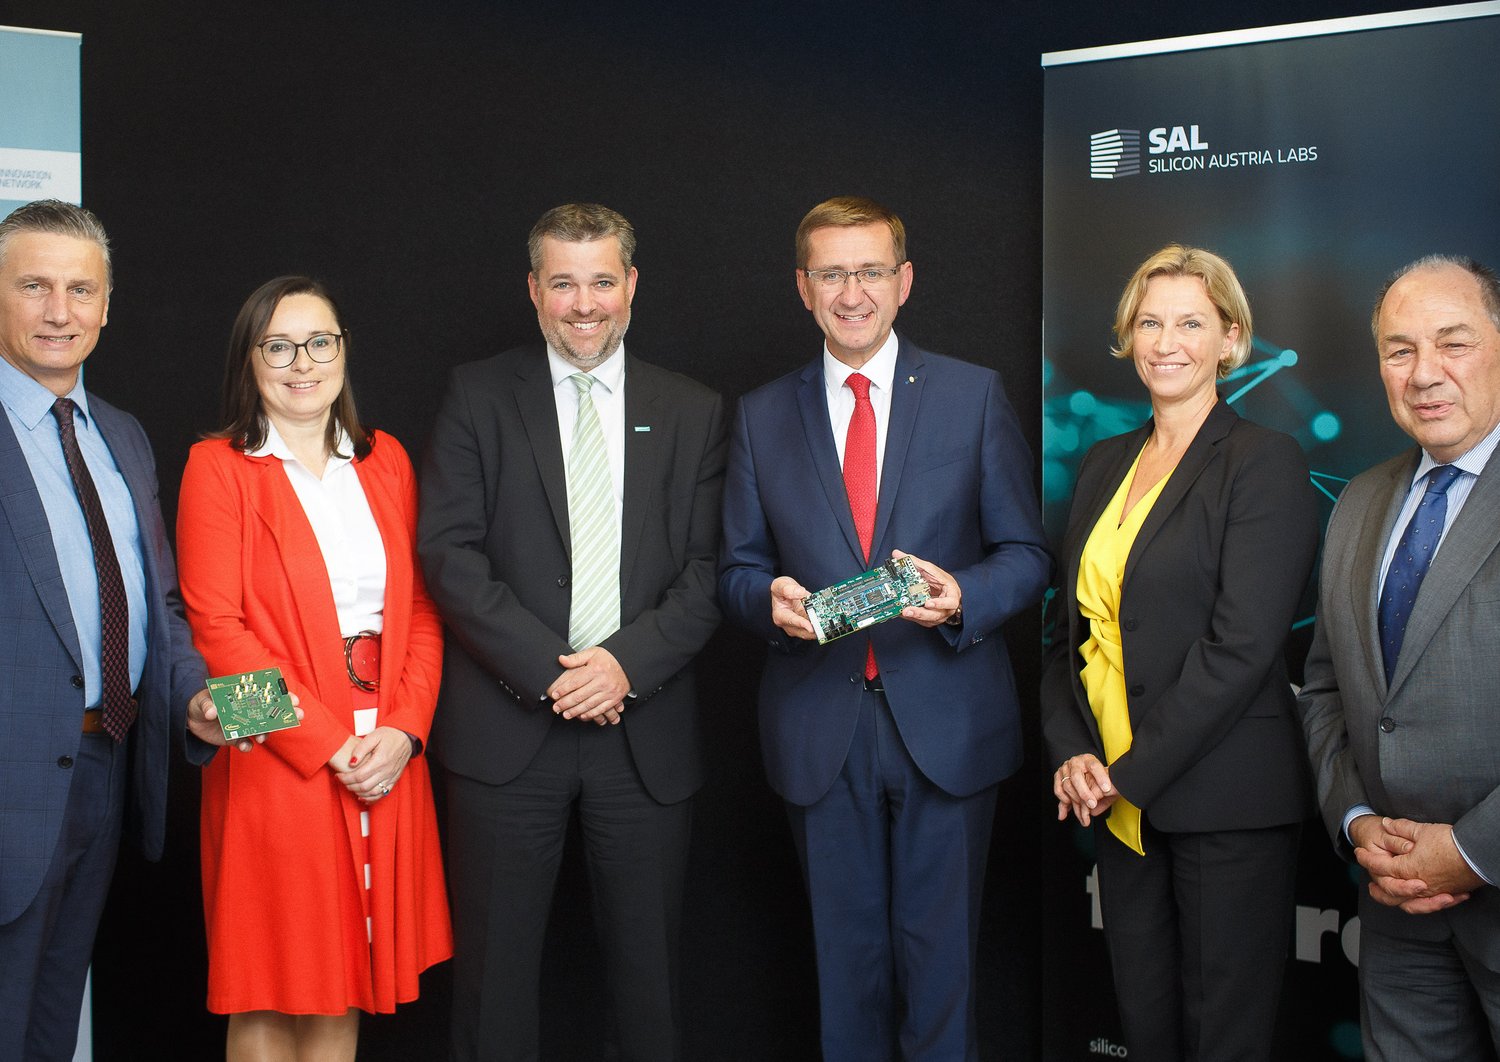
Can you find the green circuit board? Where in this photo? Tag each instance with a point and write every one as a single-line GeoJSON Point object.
{"type": "Point", "coordinates": [252, 702]}
{"type": "Point", "coordinates": [867, 599]}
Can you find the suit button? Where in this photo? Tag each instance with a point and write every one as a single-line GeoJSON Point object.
{"type": "Point", "coordinates": [65, 761]}
{"type": "Point", "coordinates": [1387, 724]}
{"type": "Point", "coordinates": [77, 681]}
{"type": "Point", "coordinates": [562, 580]}
{"type": "Point", "coordinates": [1130, 625]}
{"type": "Point", "coordinates": [1136, 691]}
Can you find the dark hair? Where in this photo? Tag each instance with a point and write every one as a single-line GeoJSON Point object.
{"type": "Point", "coordinates": [59, 219]}
{"type": "Point", "coordinates": [244, 417]}
{"type": "Point", "coordinates": [580, 223]}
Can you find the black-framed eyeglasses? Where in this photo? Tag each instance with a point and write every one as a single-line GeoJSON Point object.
{"type": "Point", "coordinates": [322, 348]}
{"type": "Point", "coordinates": [865, 278]}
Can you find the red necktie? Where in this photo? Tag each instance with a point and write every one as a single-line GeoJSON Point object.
{"type": "Point", "coordinates": [859, 478]}
{"type": "Point", "coordinates": [114, 610]}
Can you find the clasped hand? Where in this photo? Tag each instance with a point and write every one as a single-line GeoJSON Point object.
{"type": "Point", "coordinates": [370, 766]}
{"type": "Point", "coordinates": [592, 687]}
{"type": "Point", "coordinates": [1415, 866]}
{"type": "Point", "coordinates": [1082, 786]}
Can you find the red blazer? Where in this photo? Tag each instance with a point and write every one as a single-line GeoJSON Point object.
{"type": "Point", "coordinates": [282, 848]}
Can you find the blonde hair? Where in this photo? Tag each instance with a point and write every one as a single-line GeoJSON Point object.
{"type": "Point", "coordinates": [1218, 278]}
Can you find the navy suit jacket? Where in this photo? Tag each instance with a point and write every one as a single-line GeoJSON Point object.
{"type": "Point", "coordinates": [41, 669]}
{"type": "Point", "coordinates": [956, 489]}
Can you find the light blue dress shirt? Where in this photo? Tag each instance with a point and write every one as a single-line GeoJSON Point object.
{"type": "Point", "coordinates": [29, 406]}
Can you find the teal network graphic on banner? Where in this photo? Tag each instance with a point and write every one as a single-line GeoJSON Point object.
{"type": "Point", "coordinates": [40, 130]}
{"type": "Point", "coordinates": [1296, 155]}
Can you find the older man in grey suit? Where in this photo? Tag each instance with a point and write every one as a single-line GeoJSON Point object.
{"type": "Point", "coordinates": [1401, 705]}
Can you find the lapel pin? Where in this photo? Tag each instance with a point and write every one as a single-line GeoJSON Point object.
{"type": "Point", "coordinates": [911, 379]}
{"type": "Point", "coordinates": [643, 427]}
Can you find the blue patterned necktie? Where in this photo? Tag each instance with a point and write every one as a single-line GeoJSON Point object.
{"type": "Point", "coordinates": [1410, 563]}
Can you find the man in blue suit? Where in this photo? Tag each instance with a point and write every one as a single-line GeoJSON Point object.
{"type": "Point", "coordinates": [97, 669]}
{"type": "Point", "coordinates": [886, 745]}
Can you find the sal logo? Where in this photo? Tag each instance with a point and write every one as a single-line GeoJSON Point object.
{"type": "Point", "coordinates": [1114, 153]}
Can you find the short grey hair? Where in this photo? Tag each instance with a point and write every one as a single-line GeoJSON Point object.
{"type": "Point", "coordinates": [60, 219]}
{"type": "Point", "coordinates": [1489, 284]}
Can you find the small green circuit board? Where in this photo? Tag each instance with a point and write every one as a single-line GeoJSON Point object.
{"type": "Point", "coordinates": [252, 702]}
{"type": "Point", "coordinates": [874, 597]}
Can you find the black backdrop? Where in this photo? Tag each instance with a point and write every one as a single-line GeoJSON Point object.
{"type": "Point", "coordinates": [401, 152]}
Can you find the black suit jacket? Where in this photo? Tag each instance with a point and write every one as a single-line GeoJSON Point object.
{"type": "Point", "coordinates": [494, 541]}
{"type": "Point", "coordinates": [1211, 588]}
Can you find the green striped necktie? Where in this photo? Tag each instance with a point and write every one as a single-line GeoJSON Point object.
{"type": "Point", "coordinates": [595, 612]}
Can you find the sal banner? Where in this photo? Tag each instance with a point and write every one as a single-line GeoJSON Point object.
{"type": "Point", "coordinates": [40, 139]}
{"type": "Point", "coordinates": [1316, 158]}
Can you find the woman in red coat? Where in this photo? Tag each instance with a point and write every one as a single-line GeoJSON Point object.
{"type": "Point", "coordinates": [322, 878]}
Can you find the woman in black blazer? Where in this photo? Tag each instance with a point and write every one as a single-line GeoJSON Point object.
{"type": "Point", "coordinates": [1168, 710]}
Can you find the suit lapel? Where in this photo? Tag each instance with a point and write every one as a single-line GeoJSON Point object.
{"type": "Point", "coordinates": [1102, 488]}
{"type": "Point", "coordinates": [1203, 449]}
{"type": "Point", "coordinates": [1114, 463]}
{"type": "Point", "coordinates": [643, 450]}
{"type": "Point", "coordinates": [276, 504]}
{"type": "Point", "coordinates": [140, 481]}
{"type": "Point", "coordinates": [906, 400]}
{"type": "Point", "coordinates": [812, 403]}
{"type": "Point", "coordinates": [28, 519]}
{"type": "Point", "coordinates": [387, 509]}
{"type": "Point", "coordinates": [1364, 579]}
{"type": "Point", "coordinates": [537, 408]}
{"type": "Point", "coordinates": [1468, 544]}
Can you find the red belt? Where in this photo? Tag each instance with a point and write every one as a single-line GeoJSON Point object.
{"type": "Point", "coordinates": [362, 660]}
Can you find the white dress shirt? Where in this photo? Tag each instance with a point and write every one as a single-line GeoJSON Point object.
{"type": "Point", "coordinates": [609, 402]}
{"type": "Point", "coordinates": [880, 370]}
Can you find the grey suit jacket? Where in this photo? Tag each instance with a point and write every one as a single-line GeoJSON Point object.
{"type": "Point", "coordinates": [41, 684]}
{"type": "Point", "coordinates": [1428, 747]}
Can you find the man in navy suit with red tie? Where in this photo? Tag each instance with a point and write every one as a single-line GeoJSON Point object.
{"type": "Point", "coordinates": [886, 745]}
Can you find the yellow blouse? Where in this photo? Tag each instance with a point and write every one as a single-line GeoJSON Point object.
{"type": "Point", "coordinates": [1101, 571]}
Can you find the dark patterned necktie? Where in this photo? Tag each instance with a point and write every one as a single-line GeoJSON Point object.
{"type": "Point", "coordinates": [1410, 563]}
{"type": "Point", "coordinates": [114, 610]}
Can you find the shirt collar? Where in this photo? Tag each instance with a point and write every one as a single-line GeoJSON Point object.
{"type": "Point", "coordinates": [30, 401]}
{"type": "Point", "coordinates": [1472, 462]}
{"type": "Point", "coordinates": [611, 373]}
{"type": "Point", "coordinates": [880, 370]}
{"type": "Point", "coordinates": [275, 446]}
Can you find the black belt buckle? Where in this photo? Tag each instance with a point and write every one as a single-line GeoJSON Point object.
{"type": "Point", "coordinates": [874, 685]}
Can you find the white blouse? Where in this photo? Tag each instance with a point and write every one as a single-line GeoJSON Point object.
{"type": "Point", "coordinates": [340, 515]}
